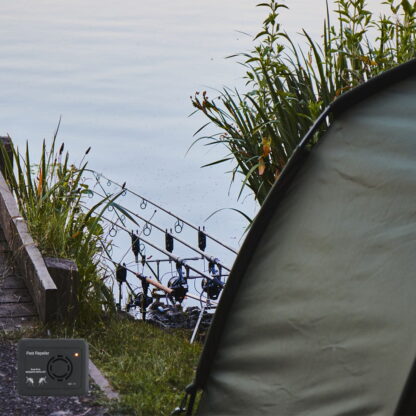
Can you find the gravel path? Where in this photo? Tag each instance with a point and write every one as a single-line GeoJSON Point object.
{"type": "Point", "coordinates": [12, 404]}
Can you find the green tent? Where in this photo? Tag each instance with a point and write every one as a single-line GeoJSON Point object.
{"type": "Point", "coordinates": [318, 316]}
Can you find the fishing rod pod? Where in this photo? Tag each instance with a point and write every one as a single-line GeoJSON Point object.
{"type": "Point", "coordinates": [177, 287]}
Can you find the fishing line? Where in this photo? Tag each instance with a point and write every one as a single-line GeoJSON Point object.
{"type": "Point", "coordinates": [146, 201]}
{"type": "Point", "coordinates": [115, 213]}
{"type": "Point", "coordinates": [147, 229]}
{"type": "Point", "coordinates": [166, 253]}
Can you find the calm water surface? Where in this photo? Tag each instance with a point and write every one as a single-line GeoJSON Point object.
{"type": "Point", "coordinates": [120, 74]}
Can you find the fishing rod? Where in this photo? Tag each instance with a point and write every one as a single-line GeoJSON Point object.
{"type": "Point", "coordinates": [164, 260]}
{"type": "Point", "coordinates": [169, 235]}
{"type": "Point", "coordinates": [136, 248]}
{"type": "Point", "coordinates": [145, 201]}
{"type": "Point", "coordinates": [176, 259]}
{"type": "Point", "coordinates": [178, 287]}
{"type": "Point", "coordinates": [168, 290]}
{"type": "Point", "coordinates": [121, 275]}
{"type": "Point", "coordinates": [177, 291]}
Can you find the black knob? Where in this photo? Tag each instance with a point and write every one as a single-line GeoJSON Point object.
{"type": "Point", "coordinates": [59, 368]}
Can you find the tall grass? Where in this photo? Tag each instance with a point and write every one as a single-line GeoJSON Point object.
{"type": "Point", "coordinates": [51, 196]}
{"type": "Point", "coordinates": [290, 85]}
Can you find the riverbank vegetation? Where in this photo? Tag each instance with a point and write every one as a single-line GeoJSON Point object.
{"type": "Point", "coordinates": [51, 197]}
{"type": "Point", "coordinates": [289, 85]}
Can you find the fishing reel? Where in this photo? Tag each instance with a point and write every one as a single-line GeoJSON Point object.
{"type": "Point", "coordinates": [139, 300]}
{"type": "Point", "coordinates": [178, 285]}
{"type": "Point", "coordinates": [179, 289]}
{"type": "Point", "coordinates": [213, 286]}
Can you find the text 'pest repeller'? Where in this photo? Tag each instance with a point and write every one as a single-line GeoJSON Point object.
{"type": "Point", "coordinates": [52, 367]}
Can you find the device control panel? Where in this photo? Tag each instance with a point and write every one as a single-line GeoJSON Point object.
{"type": "Point", "coordinates": [52, 367]}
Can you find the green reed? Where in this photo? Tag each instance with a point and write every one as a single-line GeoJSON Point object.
{"type": "Point", "coordinates": [290, 85]}
{"type": "Point", "coordinates": [51, 196]}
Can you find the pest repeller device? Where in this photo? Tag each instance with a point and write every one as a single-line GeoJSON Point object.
{"type": "Point", "coordinates": [52, 367]}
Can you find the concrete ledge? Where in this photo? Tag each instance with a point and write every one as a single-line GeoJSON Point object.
{"type": "Point", "coordinates": [65, 275]}
{"type": "Point", "coordinates": [102, 382]}
{"type": "Point", "coordinates": [26, 255]}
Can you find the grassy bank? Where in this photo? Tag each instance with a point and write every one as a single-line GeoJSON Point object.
{"type": "Point", "coordinates": [148, 366]}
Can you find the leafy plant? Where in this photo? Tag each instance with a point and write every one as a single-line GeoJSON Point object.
{"type": "Point", "coordinates": [51, 197]}
{"type": "Point", "coordinates": [289, 86]}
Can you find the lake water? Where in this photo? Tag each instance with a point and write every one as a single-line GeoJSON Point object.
{"type": "Point", "coordinates": [120, 73]}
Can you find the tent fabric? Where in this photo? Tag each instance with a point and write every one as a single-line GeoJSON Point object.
{"type": "Point", "coordinates": [323, 320]}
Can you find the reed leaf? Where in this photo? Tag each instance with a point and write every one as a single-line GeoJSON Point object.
{"type": "Point", "coordinates": [51, 199]}
{"type": "Point", "coordinates": [289, 85]}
